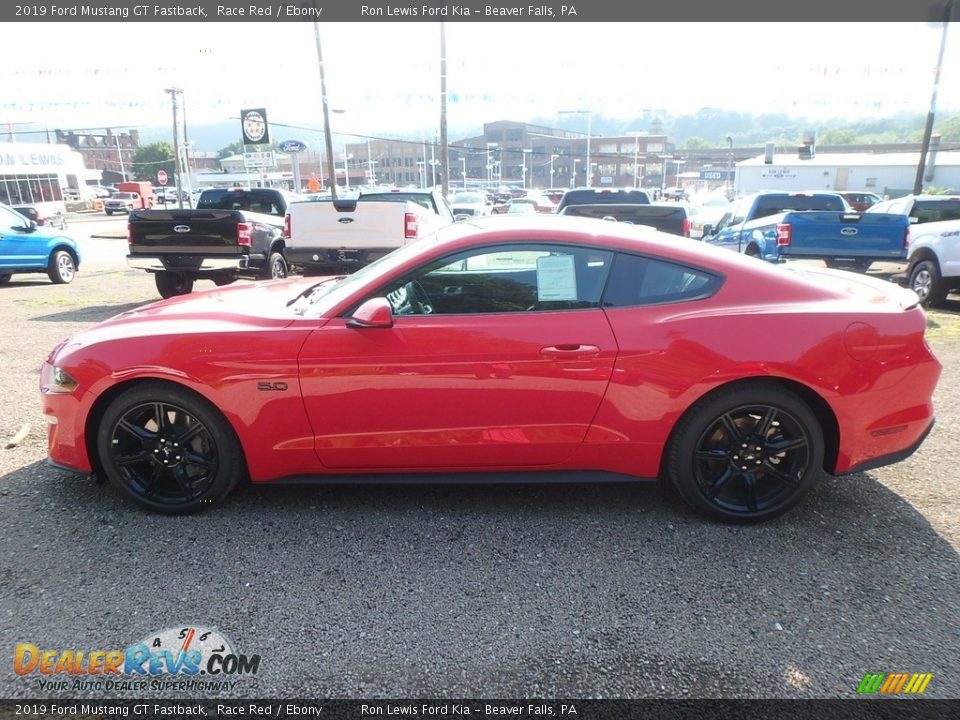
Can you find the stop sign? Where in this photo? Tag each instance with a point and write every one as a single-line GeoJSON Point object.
{"type": "Point", "coordinates": [162, 177]}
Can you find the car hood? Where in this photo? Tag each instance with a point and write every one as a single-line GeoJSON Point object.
{"type": "Point", "coordinates": [242, 307]}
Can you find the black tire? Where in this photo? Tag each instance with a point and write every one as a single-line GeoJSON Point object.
{"type": "Point", "coordinates": [746, 454]}
{"type": "Point", "coordinates": [109, 212]}
{"type": "Point", "coordinates": [276, 267]}
{"type": "Point", "coordinates": [168, 449]}
{"type": "Point", "coordinates": [754, 252]}
{"type": "Point", "coordinates": [5, 278]}
{"type": "Point", "coordinates": [62, 268]}
{"type": "Point", "coordinates": [171, 284]}
{"type": "Point", "coordinates": [221, 280]}
{"type": "Point", "coordinates": [926, 282]}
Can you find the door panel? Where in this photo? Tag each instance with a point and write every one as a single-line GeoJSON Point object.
{"type": "Point", "coordinates": [456, 391]}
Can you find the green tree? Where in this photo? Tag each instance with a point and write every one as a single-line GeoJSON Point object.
{"type": "Point", "coordinates": [148, 159]}
{"type": "Point", "coordinates": [234, 148]}
{"type": "Point", "coordinates": [697, 143]}
{"type": "Point", "coordinates": [837, 136]}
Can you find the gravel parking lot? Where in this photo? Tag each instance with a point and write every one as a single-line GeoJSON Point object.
{"type": "Point", "coordinates": [527, 591]}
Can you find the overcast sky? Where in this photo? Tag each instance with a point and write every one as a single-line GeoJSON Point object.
{"type": "Point", "coordinates": [385, 75]}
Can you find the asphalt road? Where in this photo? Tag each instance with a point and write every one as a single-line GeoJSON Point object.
{"type": "Point", "coordinates": [527, 591]}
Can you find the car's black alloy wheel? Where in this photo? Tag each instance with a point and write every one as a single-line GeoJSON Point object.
{"type": "Point", "coordinates": [746, 454]}
{"type": "Point", "coordinates": [168, 449]}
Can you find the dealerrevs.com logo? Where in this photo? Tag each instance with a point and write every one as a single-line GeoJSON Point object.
{"type": "Point", "coordinates": [182, 658]}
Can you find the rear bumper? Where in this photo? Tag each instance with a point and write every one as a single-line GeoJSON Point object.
{"type": "Point", "coordinates": [893, 457]}
{"type": "Point", "coordinates": [201, 264]}
{"type": "Point", "coordinates": [341, 259]}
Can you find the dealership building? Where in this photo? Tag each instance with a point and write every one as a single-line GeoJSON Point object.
{"type": "Point", "coordinates": [32, 173]}
{"type": "Point", "coordinates": [886, 174]}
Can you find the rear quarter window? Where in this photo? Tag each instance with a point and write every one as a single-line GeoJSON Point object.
{"type": "Point", "coordinates": [636, 280]}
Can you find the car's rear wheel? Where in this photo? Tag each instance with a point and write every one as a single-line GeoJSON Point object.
{"type": "Point", "coordinates": [168, 449]}
{"type": "Point", "coordinates": [5, 278]}
{"type": "Point", "coordinates": [746, 454]}
{"type": "Point", "coordinates": [277, 266]}
{"type": "Point", "coordinates": [926, 282]}
{"type": "Point", "coordinates": [171, 284]}
{"type": "Point", "coordinates": [62, 268]}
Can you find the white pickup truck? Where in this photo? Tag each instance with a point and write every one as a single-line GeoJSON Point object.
{"type": "Point", "coordinates": [934, 251]}
{"type": "Point", "coordinates": [344, 235]}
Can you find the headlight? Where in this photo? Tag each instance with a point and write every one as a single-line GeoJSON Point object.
{"type": "Point", "coordinates": [60, 381]}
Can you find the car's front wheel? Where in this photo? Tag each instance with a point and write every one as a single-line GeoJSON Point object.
{"type": "Point", "coordinates": [168, 449]}
{"type": "Point", "coordinates": [5, 278]}
{"type": "Point", "coordinates": [926, 282]}
{"type": "Point", "coordinates": [62, 268]}
{"type": "Point", "coordinates": [171, 284]}
{"type": "Point", "coordinates": [746, 454]}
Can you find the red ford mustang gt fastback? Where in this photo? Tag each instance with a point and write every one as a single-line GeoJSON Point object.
{"type": "Point", "coordinates": [556, 347]}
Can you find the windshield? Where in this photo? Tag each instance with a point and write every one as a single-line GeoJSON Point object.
{"type": "Point", "coordinates": [123, 196]}
{"type": "Point", "coordinates": [776, 204]}
{"type": "Point", "coordinates": [474, 198]}
{"type": "Point", "coordinates": [322, 297]}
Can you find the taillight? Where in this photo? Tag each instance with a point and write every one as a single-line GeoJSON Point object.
{"type": "Point", "coordinates": [784, 234]}
{"type": "Point", "coordinates": [244, 234]}
{"type": "Point", "coordinates": [410, 226]}
{"type": "Point", "coordinates": [686, 227]}
{"type": "Point", "coordinates": [906, 238]}
{"type": "Point", "coordinates": [129, 233]}
{"type": "Point", "coordinates": [286, 226]}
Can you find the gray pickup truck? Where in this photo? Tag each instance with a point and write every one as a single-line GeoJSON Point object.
{"type": "Point", "coordinates": [232, 233]}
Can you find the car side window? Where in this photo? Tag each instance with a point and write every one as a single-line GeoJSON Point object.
{"type": "Point", "coordinates": [636, 280]}
{"type": "Point", "coordinates": [526, 277]}
{"type": "Point", "coordinates": [11, 219]}
{"type": "Point", "coordinates": [740, 213]}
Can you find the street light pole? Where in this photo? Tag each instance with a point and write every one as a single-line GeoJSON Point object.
{"type": "Point", "coordinates": [663, 176]}
{"type": "Point", "coordinates": [176, 142]}
{"type": "Point", "coordinates": [928, 129]}
{"type": "Point", "coordinates": [325, 102]}
{"type": "Point", "coordinates": [463, 161]}
{"type": "Point", "coordinates": [552, 158]}
{"type": "Point", "coordinates": [525, 151]}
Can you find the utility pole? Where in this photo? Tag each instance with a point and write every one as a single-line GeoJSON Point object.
{"type": "Point", "coordinates": [444, 152]}
{"type": "Point", "coordinates": [176, 142]}
{"type": "Point", "coordinates": [328, 140]}
{"type": "Point", "coordinates": [928, 130]}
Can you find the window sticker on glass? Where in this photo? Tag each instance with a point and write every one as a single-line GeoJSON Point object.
{"type": "Point", "coordinates": [556, 278]}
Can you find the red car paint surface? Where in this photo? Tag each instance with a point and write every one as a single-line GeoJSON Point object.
{"type": "Point", "coordinates": [308, 393]}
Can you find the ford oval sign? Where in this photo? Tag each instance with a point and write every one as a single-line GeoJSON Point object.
{"type": "Point", "coordinates": [181, 228]}
{"type": "Point", "coordinates": [848, 231]}
{"type": "Point", "coordinates": [292, 146]}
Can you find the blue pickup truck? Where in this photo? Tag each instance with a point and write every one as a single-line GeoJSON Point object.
{"type": "Point", "coordinates": [781, 226]}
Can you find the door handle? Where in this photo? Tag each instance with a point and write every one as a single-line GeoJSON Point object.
{"type": "Point", "coordinates": [571, 350]}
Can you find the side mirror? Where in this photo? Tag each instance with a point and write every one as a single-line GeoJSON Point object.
{"type": "Point", "coordinates": [708, 229]}
{"type": "Point", "coordinates": [374, 313]}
